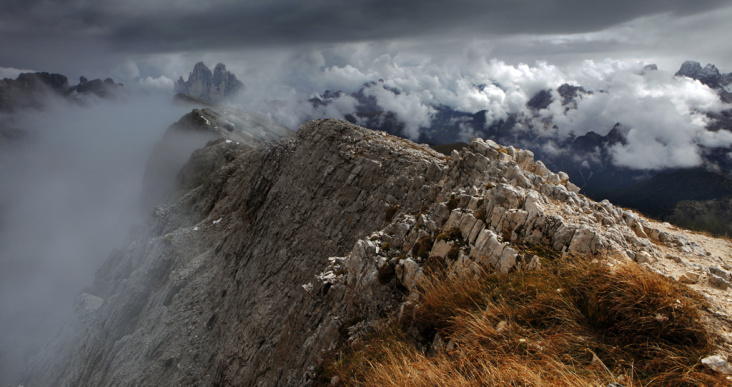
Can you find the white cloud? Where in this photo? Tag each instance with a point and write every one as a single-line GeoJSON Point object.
{"type": "Point", "coordinates": [161, 83]}
{"type": "Point", "coordinates": [128, 69]}
{"type": "Point", "coordinates": [665, 112]}
{"type": "Point", "coordinates": [407, 107]}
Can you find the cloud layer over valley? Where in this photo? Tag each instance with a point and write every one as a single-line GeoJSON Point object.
{"type": "Point", "coordinates": [665, 118]}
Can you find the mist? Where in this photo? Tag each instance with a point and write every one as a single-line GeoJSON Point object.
{"type": "Point", "coordinates": [69, 196]}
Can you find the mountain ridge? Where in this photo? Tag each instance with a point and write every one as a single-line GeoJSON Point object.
{"type": "Point", "coordinates": [28, 89]}
{"type": "Point", "coordinates": [247, 274]}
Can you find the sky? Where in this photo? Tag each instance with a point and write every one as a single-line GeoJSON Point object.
{"type": "Point", "coordinates": [434, 52]}
{"type": "Point", "coordinates": [150, 38]}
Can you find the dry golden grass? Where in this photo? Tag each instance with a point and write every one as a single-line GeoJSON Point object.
{"type": "Point", "coordinates": [571, 323]}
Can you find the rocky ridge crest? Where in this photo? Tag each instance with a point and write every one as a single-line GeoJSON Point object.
{"type": "Point", "coordinates": [250, 273]}
{"type": "Point", "coordinates": [193, 131]}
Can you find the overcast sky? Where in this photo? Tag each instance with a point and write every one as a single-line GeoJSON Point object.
{"type": "Point", "coordinates": [434, 51]}
{"type": "Point", "coordinates": [140, 38]}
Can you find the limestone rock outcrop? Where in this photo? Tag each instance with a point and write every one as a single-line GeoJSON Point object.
{"type": "Point", "coordinates": [212, 87]}
{"type": "Point", "coordinates": [29, 89]}
{"type": "Point", "coordinates": [96, 86]}
{"type": "Point", "coordinates": [268, 255]}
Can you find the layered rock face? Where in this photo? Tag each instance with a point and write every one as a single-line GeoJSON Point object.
{"type": "Point", "coordinates": [96, 86]}
{"type": "Point", "coordinates": [268, 255]}
{"type": "Point", "coordinates": [212, 87]}
{"type": "Point", "coordinates": [213, 294]}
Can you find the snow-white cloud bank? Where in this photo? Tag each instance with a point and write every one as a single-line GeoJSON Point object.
{"type": "Point", "coordinates": [665, 117]}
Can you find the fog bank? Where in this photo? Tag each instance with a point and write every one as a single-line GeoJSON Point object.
{"type": "Point", "coordinates": [68, 197]}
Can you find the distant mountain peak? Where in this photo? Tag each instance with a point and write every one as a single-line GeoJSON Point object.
{"type": "Point", "coordinates": [689, 67]}
{"type": "Point", "coordinates": [213, 86]}
{"type": "Point", "coordinates": [29, 89]}
{"type": "Point", "coordinates": [708, 75]}
{"type": "Point", "coordinates": [648, 68]}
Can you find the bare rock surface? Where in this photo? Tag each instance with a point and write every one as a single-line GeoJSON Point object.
{"type": "Point", "coordinates": [213, 86]}
{"type": "Point", "coordinates": [260, 264]}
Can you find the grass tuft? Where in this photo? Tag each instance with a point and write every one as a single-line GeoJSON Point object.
{"type": "Point", "coordinates": [423, 247]}
{"type": "Point", "coordinates": [568, 323]}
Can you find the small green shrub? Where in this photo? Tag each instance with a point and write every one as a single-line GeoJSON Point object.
{"type": "Point", "coordinates": [453, 203]}
{"type": "Point", "coordinates": [423, 247]}
{"type": "Point", "coordinates": [456, 235]}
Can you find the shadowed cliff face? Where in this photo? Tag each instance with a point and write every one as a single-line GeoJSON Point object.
{"type": "Point", "coordinates": [267, 256]}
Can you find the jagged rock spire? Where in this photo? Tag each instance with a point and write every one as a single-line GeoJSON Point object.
{"type": "Point", "coordinates": [204, 84]}
{"type": "Point", "coordinates": [709, 75]}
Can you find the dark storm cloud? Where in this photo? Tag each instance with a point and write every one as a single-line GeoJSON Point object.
{"type": "Point", "coordinates": [34, 30]}
{"type": "Point", "coordinates": [287, 22]}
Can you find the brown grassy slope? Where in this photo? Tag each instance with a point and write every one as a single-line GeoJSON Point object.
{"type": "Point", "coordinates": [573, 322]}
